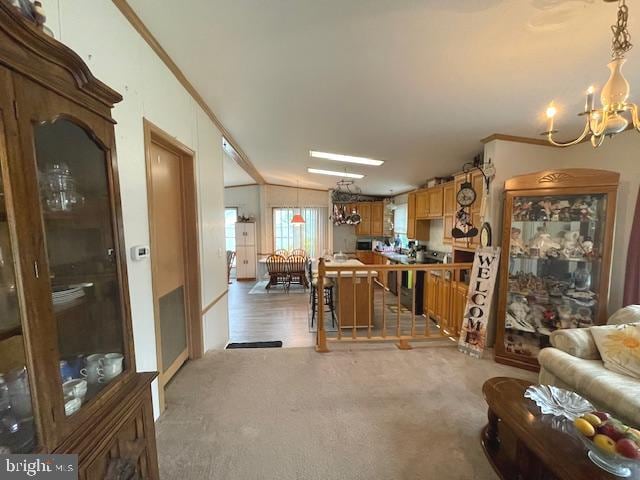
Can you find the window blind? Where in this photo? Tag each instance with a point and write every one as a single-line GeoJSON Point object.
{"type": "Point", "coordinates": [310, 236]}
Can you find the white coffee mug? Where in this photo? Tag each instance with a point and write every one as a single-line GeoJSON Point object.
{"type": "Point", "coordinates": [112, 365]}
{"type": "Point", "coordinates": [94, 371]}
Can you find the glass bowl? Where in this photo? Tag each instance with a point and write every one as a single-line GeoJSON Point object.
{"type": "Point", "coordinates": [613, 463]}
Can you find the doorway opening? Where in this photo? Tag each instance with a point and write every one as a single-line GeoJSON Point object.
{"type": "Point", "coordinates": [173, 235]}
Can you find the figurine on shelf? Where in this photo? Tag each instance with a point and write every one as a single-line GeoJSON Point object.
{"type": "Point", "coordinates": [517, 245]}
{"type": "Point", "coordinates": [517, 313]}
{"type": "Point", "coordinates": [565, 313]}
{"type": "Point", "coordinates": [543, 243]}
{"type": "Point", "coordinates": [586, 246]}
{"type": "Point", "coordinates": [522, 210]}
{"type": "Point", "coordinates": [570, 247]}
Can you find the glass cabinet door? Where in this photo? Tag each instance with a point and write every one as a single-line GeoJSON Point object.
{"type": "Point", "coordinates": [76, 209]}
{"type": "Point", "coordinates": [17, 428]}
{"type": "Point", "coordinates": [555, 267]}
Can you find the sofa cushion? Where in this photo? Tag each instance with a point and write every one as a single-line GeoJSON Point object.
{"type": "Point", "coordinates": [577, 342]}
{"type": "Point", "coordinates": [628, 314]}
{"type": "Point", "coordinates": [619, 347]}
{"type": "Point", "coordinates": [610, 391]}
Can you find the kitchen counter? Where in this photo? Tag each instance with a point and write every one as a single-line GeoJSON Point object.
{"type": "Point", "coordinates": [352, 262]}
{"type": "Point", "coordinates": [400, 258]}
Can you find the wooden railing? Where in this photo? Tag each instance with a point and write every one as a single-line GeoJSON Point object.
{"type": "Point", "coordinates": [396, 302]}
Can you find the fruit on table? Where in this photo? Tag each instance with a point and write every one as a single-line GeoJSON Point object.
{"type": "Point", "coordinates": [584, 427]}
{"type": "Point", "coordinates": [604, 443]}
{"type": "Point", "coordinates": [628, 448]}
{"type": "Point", "coordinates": [593, 419]}
{"type": "Point", "coordinates": [604, 416]}
{"type": "Point", "coordinates": [608, 429]}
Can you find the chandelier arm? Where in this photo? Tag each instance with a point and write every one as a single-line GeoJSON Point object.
{"type": "Point", "coordinates": [582, 136]}
{"type": "Point", "coordinates": [600, 126]}
{"type": "Point", "coordinates": [634, 116]}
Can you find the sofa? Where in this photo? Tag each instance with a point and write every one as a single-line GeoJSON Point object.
{"type": "Point", "coordinates": [574, 363]}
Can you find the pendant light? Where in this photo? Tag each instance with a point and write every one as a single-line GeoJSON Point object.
{"type": "Point", "coordinates": [297, 218]}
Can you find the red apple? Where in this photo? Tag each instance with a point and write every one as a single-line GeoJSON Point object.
{"type": "Point", "coordinates": [610, 431]}
{"type": "Point", "coordinates": [628, 448]}
{"type": "Point", "coordinates": [604, 416]}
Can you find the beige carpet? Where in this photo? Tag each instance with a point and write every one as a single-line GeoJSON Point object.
{"type": "Point", "coordinates": [373, 412]}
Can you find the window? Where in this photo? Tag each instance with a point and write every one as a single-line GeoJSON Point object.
{"type": "Point", "coordinates": [400, 222]}
{"type": "Point", "coordinates": [310, 236]}
{"type": "Point", "coordinates": [230, 218]}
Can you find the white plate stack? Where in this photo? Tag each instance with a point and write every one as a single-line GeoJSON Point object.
{"type": "Point", "coordinates": [67, 295]}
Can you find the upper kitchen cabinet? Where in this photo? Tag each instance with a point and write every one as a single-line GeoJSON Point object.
{"type": "Point", "coordinates": [67, 359]}
{"type": "Point", "coordinates": [372, 219]}
{"type": "Point", "coordinates": [411, 216]}
{"type": "Point", "coordinates": [364, 227]}
{"type": "Point", "coordinates": [448, 211]}
{"type": "Point", "coordinates": [476, 180]}
{"type": "Point", "coordinates": [377, 219]}
{"type": "Point", "coordinates": [422, 204]}
{"type": "Point", "coordinates": [434, 202]}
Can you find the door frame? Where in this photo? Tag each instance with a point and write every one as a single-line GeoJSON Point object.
{"type": "Point", "coordinates": [195, 343]}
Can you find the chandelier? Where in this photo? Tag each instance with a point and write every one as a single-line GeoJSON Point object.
{"type": "Point", "coordinates": [613, 116]}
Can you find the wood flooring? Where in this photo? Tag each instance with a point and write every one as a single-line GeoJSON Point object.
{"type": "Point", "coordinates": [272, 316]}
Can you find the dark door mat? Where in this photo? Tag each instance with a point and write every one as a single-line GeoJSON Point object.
{"type": "Point", "coordinates": [274, 344]}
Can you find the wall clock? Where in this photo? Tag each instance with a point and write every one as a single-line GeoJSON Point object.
{"type": "Point", "coordinates": [485, 235]}
{"type": "Point", "coordinates": [466, 195]}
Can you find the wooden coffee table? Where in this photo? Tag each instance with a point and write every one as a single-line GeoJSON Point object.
{"type": "Point", "coordinates": [521, 443]}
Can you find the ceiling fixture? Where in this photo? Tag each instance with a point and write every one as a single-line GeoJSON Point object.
{"type": "Point", "coordinates": [611, 118]}
{"type": "Point", "coordinates": [346, 158]}
{"type": "Point", "coordinates": [297, 218]}
{"type": "Point", "coordinates": [335, 174]}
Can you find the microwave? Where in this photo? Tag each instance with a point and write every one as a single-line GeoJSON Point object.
{"type": "Point", "coordinates": [364, 245]}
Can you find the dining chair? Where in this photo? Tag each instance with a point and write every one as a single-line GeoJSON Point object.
{"type": "Point", "coordinates": [297, 273]}
{"type": "Point", "coordinates": [278, 270]}
{"type": "Point", "coordinates": [230, 256]}
{"type": "Point", "coordinates": [299, 251]}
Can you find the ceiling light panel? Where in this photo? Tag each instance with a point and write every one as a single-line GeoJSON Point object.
{"type": "Point", "coordinates": [335, 174]}
{"type": "Point", "coordinates": [336, 157]}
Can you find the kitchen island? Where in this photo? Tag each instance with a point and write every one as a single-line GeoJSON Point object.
{"type": "Point", "coordinates": [353, 294]}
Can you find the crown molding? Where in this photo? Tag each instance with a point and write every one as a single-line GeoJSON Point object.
{"type": "Point", "coordinates": [240, 156]}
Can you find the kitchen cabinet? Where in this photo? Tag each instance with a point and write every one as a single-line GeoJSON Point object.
{"type": "Point", "coordinates": [422, 204]}
{"type": "Point", "coordinates": [458, 305]}
{"type": "Point", "coordinates": [64, 292]}
{"type": "Point", "coordinates": [364, 227]}
{"type": "Point", "coordinates": [377, 219]}
{"type": "Point", "coordinates": [365, 257]}
{"type": "Point", "coordinates": [434, 202]}
{"type": "Point", "coordinates": [445, 300]}
{"type": "Point", "coordinates": [477, 182]}
{"type": "Point", "coordinates": [449, 205]}
{"type": "Point", "coordinates": [555, 262]}
{"type": "Point", "coordinates": [411, 216]}
{"type": "Point", "coordinates": [246, 256]}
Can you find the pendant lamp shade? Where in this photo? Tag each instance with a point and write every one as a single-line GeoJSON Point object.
{"type": "Point", "coordinates": [297, 218]}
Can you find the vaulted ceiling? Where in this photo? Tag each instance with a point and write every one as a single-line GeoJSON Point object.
{"type": "Point", "coordinates": [416, 83]}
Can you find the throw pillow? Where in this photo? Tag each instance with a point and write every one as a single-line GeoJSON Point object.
{"type": "Point", "coordinates": [619, 347]}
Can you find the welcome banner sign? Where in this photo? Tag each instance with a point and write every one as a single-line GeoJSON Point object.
{"type": "Point", "coordinates": [484, 272]}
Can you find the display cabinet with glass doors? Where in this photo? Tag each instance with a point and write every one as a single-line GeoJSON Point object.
{"type": "Point", "coordinates": [68, 382]}
{"type": "Point", "coordinates": [556, 258]}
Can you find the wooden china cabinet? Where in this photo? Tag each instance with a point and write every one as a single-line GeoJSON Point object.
{"type": "Point", "coordinates": [555, 262]}
{"type": "Point", "coordinates": [68, 381]}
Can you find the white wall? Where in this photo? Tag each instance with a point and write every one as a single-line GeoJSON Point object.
{"type": "Point", "coordinates": [118, 56]}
